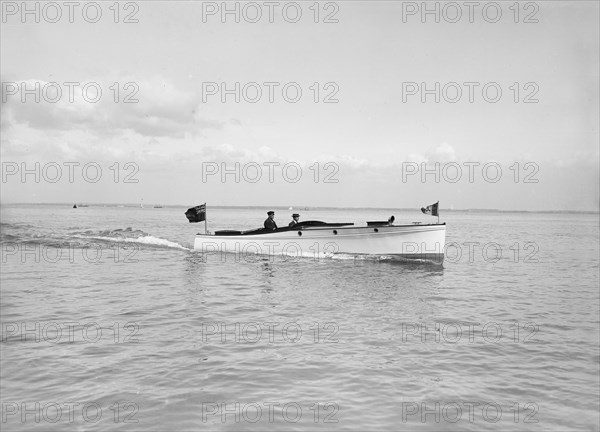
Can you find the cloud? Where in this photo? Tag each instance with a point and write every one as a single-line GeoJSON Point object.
{"type": "Point", "coordinates": [414, 157]}
{"type": "Point", "coordinates": [444, 152]}
{"type": "Point", "coordinates": [157, 108]}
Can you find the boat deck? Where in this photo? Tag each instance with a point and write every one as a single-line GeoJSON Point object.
{"type": "Point", "coordinates": [314, 226]}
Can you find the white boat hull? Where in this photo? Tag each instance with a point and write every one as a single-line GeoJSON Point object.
{"type": "Point", "coordinates": [422, 242]}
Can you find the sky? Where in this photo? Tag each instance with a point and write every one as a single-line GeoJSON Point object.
{"type": "Point", "coordinates": [343, 104]}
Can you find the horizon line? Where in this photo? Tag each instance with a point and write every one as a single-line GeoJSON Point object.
{"type": "Point", "coordinates": [302, 207]}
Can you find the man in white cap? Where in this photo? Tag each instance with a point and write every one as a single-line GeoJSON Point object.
{"type": "Point", "coordinates": [294, 221]}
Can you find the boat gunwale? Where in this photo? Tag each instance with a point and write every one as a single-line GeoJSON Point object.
{"type": "Point", "coordinates": [316, 229]}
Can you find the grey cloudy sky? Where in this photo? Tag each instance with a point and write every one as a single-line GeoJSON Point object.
{"type": "Point", "coordinates": [342, 99]}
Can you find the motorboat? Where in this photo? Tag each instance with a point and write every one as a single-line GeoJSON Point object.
{"type": "Point", "coordinates": [319, 239]}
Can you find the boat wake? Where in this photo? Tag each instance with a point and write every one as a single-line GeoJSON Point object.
{"type": "Point", "coordinates": [132, 237]}
{"type": "Point", "coordinates": [147, 240]}
{"type": "Point", "coordinates": [20, 234]}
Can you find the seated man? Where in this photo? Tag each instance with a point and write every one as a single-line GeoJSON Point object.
{"type": "Point", "coordinates": [294, 221]}
{"type": "Point", "coordinates": [270, 221]}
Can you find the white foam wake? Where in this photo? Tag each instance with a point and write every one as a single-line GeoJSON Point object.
{"type": "Point", "coordinates": [147, 240]}
{"type": "Point", "coordinates": [151, 240]}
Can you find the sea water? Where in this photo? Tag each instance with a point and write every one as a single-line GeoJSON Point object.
{"type": "Point", "coordinates": [110, 321]}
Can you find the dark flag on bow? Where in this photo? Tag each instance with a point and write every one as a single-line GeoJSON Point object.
{"type": "Point", "coordinates": [431, 209]}
{"type": "Point", "coordinates": [196, 214]}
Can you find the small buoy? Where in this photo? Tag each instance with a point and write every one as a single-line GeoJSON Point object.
{"type": "Point", "coordinates": [74, 205]}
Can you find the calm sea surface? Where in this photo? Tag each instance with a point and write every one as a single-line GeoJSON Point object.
{"type": "Point", "coordinates": [111, 322]}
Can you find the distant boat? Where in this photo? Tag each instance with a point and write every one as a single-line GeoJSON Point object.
{"type": "Point", "coordinates": [158, 206]}
{"type": "Point", "coordinates": [74, 205]}
{"type": "Point", "coordinates": [291, 208]}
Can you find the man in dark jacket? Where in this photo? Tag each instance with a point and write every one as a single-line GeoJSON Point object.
{"type": "Point", "coordinates": [270, 221]}
{"type": "Point", "coordinates": [294, 221]}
